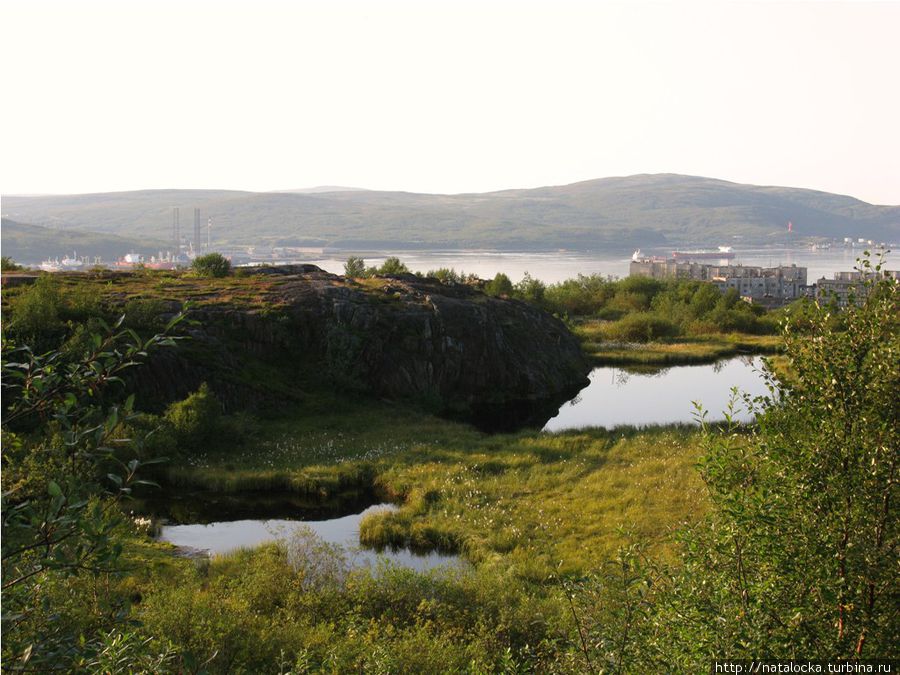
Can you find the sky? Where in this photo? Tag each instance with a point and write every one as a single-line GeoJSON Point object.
{"type": "Point", "coordinates": [447, 96]}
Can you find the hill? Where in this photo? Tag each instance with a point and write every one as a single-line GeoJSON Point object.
{"type": "Point", "coordinates": [643, 210]}
{"type": "Point", "coordinates": [31, 244]}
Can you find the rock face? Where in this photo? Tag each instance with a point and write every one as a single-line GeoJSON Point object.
{"type": "Point", "coordinates": [498, 362]}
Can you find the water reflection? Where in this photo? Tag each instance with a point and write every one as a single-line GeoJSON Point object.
{"type": "Point", "coordinates": [223, 537]}
{"type": "Point", "coordinates": [617, 396]}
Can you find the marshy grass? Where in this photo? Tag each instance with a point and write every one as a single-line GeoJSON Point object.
{"type": "Point", "coordinates": [530, 502]}
{"type": "Point", "coordinates": [670, 352]}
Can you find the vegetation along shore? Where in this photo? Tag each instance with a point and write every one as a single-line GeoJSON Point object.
{"type": "Point", "coordinates": [621, 550]}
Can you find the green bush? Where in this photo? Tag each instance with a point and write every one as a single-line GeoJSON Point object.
{"type": "Point", "coordinates": [530, 289]}
{"type": "Point", "coordinates": [211, 265]}
{"type": "Point", "coordinates": [355, 268]}
{"type": "Point", "coordinates": [195, 420]}
{"type": "Point", "coordinates": [34, 314]}
{"type": "Point", "coordinates": [581, 296]}
{"type": "Point", "coordinates": [144, 313]}
{"type": "Point", "coordinates": [393, 266]}
{"type": "Point", "coordinates": [498, 286]}
{"type": "Point", "coordinates": [641, 327]}
{"type": "Point", "coordinates": [7, 264]}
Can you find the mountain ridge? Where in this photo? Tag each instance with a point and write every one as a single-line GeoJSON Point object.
{"type": "Point", "coordinates": [614, 212]}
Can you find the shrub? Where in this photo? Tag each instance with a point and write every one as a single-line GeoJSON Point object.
{"type": "Point", "coordinates": [641, 327]}
{"type": "Point", "coordinates": [7, 264]}
{"type": "Point", "coordinates": [195, 420]}
{"type": "Point", "coordinates": [211, 265]}
{"type": "Point", "coordinates": [144, 313]}
{"type": "Point", "coordinates": [499, 285]}
{"type": "Point", "coordinates": [355, 268]}
{"type": "Point", "coordinates": [530, 289]}
{"type": "Point", "coordinates": [446, 275]}
{"type": "Point", "coordinates": [35, 314]}
{"type": "Point", "coordinates": [393, 266]}
{"type": "Point", "coordinates": [581, 296]}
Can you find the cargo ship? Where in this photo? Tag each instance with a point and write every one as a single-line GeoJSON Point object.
{"type": "Point", "coordinates": [67, 264]}
{"type": "Point", "coordinates": [723, 253]}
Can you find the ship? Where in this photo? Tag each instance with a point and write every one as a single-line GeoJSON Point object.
{"type": "Point", "coordinates": [130, 261]}
{"type": "Point", "coordinates": [723, 253]}
{"type": "Point", "coordinates": [67, 264]}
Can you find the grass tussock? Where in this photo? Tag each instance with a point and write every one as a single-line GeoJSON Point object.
{"type": "Point", "coordinates": [669, 352]}
{"type": "Point", "coordinates": [530, 502]}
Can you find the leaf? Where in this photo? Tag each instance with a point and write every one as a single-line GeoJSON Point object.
{"type": "Point", "coordinates": [53, 489]}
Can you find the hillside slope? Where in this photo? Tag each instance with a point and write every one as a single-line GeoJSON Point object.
{"type": "Point", "coordinates": [641, 210]}
{"type": "Point", "coordinates": [33, 243]}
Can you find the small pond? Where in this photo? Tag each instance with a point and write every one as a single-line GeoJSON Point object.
{"type": "Point", "coordinates": [283, 519]}
{"type": "Point", "coordinates": [618, 397]}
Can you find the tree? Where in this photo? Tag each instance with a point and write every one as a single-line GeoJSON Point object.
{"type": "Point", "coordinates": [7, 264]}
{"type": "Point", "coordinates": [355, 268]}
{"type": "Point", "coordinates": [798, 555]}
{"type": "Point", "coordinates": [211, 265]}
{"type": "Point", "coordinates": [531, 289]}
{"type": "Point", "coordinates": [64, 467]}
{"type": "Point", "coordinates": [499, 285]}
{"type": "Point", "coordinates": [392, 266]}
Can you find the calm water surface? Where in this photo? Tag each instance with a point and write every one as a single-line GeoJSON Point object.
{"type": "Point", "coordinates": [223, 537]}
{"type": "Point", "coordinates": [553, 267]}
{"type": "Point", "coordinates": [617, 397]}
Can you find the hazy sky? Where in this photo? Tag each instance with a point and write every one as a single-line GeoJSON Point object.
{"type": "Point", "coordinates": [447, 97]}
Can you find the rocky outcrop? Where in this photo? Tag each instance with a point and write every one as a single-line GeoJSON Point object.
{"type": "Point", "coordinates": [495, 361]}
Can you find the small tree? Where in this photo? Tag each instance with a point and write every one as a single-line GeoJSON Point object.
{"type": "Point", "coordinates": [211, 265]}
{"type": "Point", "coordinates": [195, 419]}
{"type": "Point", "coordinates": [64, 467]}
{"type": "Point", "coordinates": [531, 289]}
{"type": "Point", "coordinates": [499, 285]}
{"type": "Point", "coordinates": [7, 264]}
{"type": "Point", "coordinates": [355, 268]}
{"type": "Point", "coordinates": [799, 552]}
{"type": "Point", "coordinates": [393, 266]}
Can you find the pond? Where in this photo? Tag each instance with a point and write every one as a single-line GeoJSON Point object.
{"type": "Point", "coordinates": [619, 397]}
{"type": "Point", "coordinates": [226, 535]}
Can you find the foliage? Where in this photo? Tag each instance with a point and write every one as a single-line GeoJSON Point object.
{"type": "Point", "coordinates": [796, 557]}
{"type": "Point", "coordinates": [641, 327]}
{"type": "Point", "coordinates": [62, 522]}
{"type": "Point", "coordinates": [499, 286]}
{"type": "Point", "coordinates": [7, 264]}
{"type": "Point", "coordinates": [801, 545]}
{"type": "Point", "coordinates": [393, 266]}
{"type": "Point", "coordinates": [530, 289]}
{"type": "Point", "coordinates": [34, 314]}
{"type": "Point", "coordinates": [451, 276]}
{"type": "Point", "coordinates": [355, 268]}
{"type": "Point", "coordinates": [641, 309]}
{"type": "Point", "coordinates": [144, 313]}
{"type": "Point", "coordinates": [211, 265]}
{"type": "Point", "coordinates": [250, 612]}
{"type": "Point", "coordinates": [195, 421]}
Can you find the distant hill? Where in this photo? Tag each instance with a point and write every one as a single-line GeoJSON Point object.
{"type": "Point", "coordinates": [643, 210]}
{"type": "Point", "coordinates": [323, 188]}
{"type": "Point", "coordinates": [32, 243]}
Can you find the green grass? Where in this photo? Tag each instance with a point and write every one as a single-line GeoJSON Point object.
{"type": "Point", "coordinates": [676, 351]}
{"type": "Point", "coordinates": [530, 502]}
